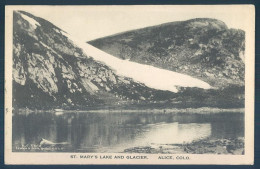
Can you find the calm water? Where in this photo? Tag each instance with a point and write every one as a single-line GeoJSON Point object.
{"type": "Point", "coordinates": [114, 132]}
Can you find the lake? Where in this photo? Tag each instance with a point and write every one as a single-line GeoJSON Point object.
{"type": "Point", "coordinates": [115, 132]}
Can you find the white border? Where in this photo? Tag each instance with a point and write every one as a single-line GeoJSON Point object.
{"type": "Point", "coordinates": [64, 158]}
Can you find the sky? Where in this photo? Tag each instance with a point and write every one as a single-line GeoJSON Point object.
{"type": "Point", "coordinates": [92, 22]}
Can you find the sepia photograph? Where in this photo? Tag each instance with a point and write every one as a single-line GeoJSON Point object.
{"type": "Point", "coordinates": [152, 84]}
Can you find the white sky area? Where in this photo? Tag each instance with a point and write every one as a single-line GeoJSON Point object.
{"type": "Point", "coordinates": [91, 22]}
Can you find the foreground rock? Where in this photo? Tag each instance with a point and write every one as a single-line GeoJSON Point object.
{"type": "Point", "coordinates": [218, 146]}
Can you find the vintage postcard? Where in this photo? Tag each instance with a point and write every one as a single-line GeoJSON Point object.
{"type": "Point", "coordinates": [115, 84]}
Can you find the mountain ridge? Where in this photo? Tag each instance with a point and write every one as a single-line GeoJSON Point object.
{"type": "Point", "coordinates": [200, 47]}
{"type": "Point", "coordinates": [152, 26]}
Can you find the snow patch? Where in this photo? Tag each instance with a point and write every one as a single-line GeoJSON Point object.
{"type": "Point", "coordinates": [56, 30]}
{"type": "Point", "coordinates": [152, 77]}
{"type": "Point", "coordinates": [33, 22]}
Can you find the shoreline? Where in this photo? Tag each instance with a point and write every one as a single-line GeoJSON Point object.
{"type": "Point", "coordinates": [202, 110]}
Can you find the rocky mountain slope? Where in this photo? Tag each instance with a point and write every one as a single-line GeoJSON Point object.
{"type": "Point", "coordinates": [203, 48]}
{"type": "Point", "coordinates": [51, 71]}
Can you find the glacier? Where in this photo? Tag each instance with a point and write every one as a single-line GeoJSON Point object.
{"type": "Point", "coordinates": [150, 76]}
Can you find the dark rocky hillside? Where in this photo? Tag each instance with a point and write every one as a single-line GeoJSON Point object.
{"type": "Point", "coordinates": [49, 71]}
{"type": "Point", "coordinates": [203, 48]}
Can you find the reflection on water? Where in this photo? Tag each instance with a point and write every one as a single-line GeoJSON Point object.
{"type": "Point", "coordinates": [114, 132]}
{"type": "Point", "coordinates": [176, 133]}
